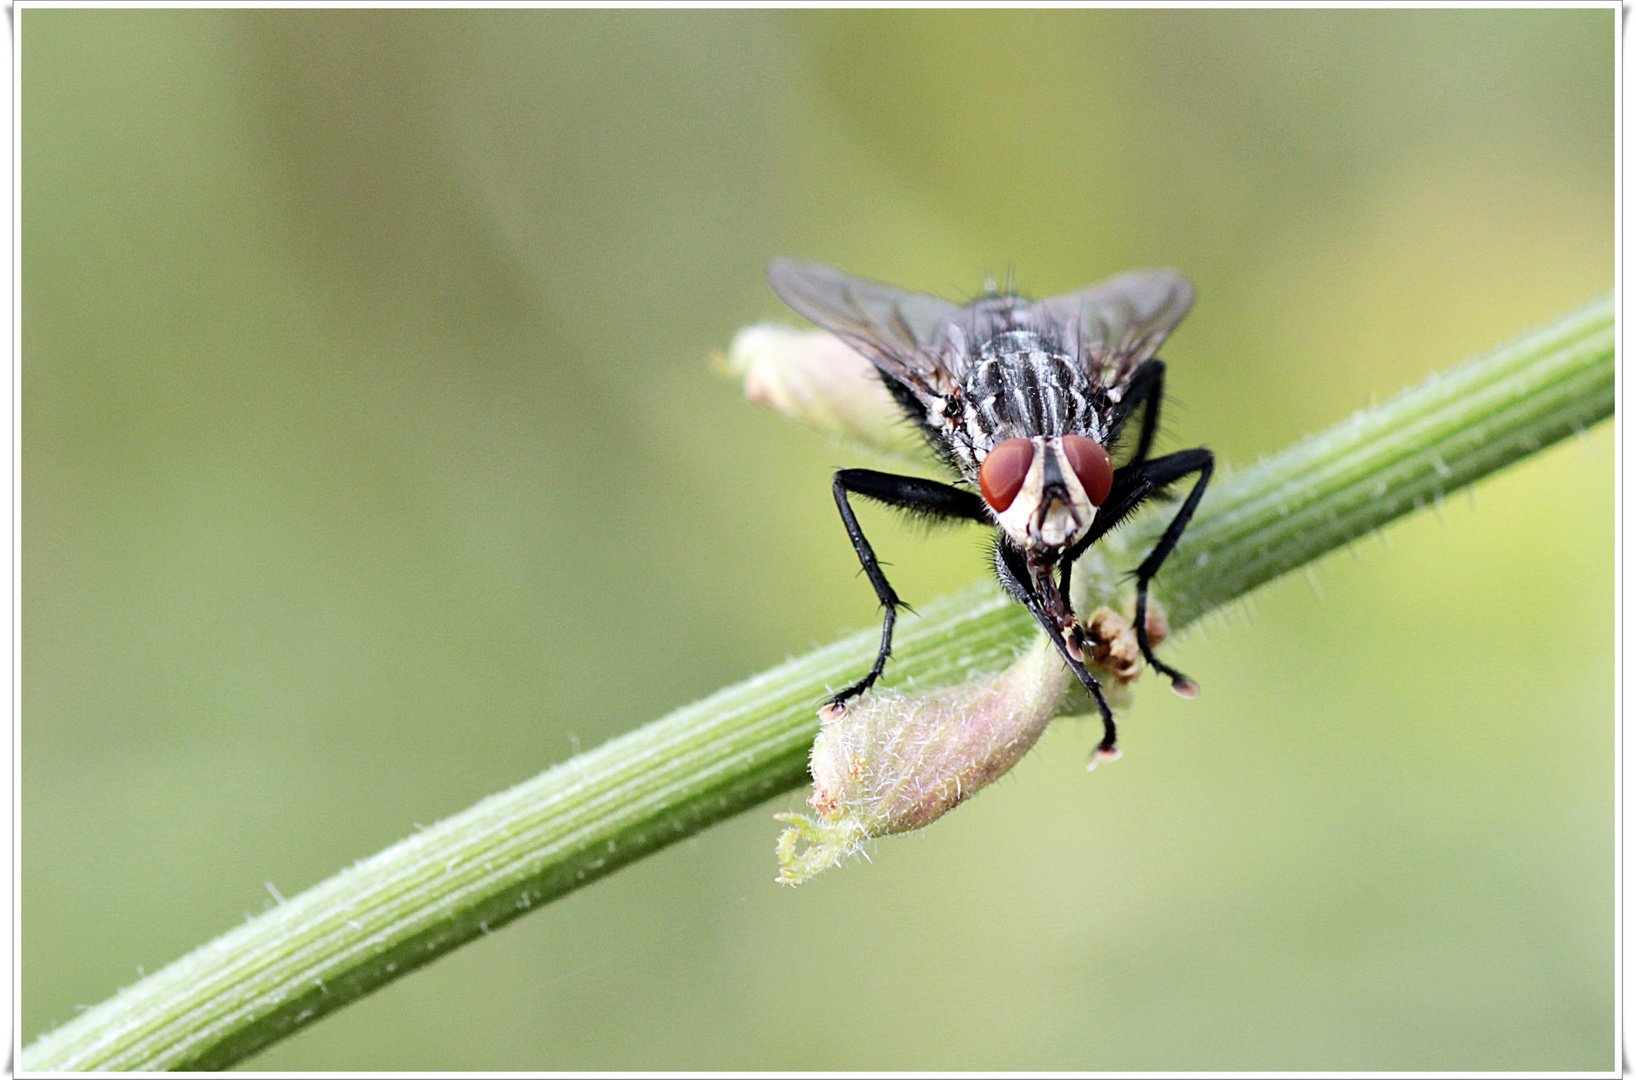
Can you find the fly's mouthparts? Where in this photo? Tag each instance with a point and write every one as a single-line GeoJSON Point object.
{"type": "Point", "coordinates": [1055, 523]}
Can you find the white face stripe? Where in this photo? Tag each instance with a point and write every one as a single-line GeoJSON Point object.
{"type": "Point", "coordinates": [1064, 522]}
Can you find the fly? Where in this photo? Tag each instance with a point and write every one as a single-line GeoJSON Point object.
{"type": "Point", "coordinates": [1026, 403]}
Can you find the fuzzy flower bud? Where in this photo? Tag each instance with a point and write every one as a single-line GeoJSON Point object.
{"type": "Point", "coordinates": [892, 762]}
{"type": "Point", "coordinates": [816, 378]}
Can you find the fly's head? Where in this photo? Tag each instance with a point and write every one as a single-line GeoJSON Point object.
{"type": "Point", "coordinates": [1044, 491]}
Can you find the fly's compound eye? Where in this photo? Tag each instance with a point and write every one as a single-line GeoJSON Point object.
{"type": "Point", "coordinates": [1090, 463]}
{"type": "Point", "coordinates": [1004, 470]}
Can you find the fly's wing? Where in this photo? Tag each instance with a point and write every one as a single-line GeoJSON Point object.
{"type": "Point", "coordinates": [1122, 322]}
{"type": "Point", "coordinates": [900, 332]}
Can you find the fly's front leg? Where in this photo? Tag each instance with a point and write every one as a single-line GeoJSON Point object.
{"type": "Point", "coordinates": [1132, 484]}
{"type": "Point", "coordinates": [1053, 595]}
{"type": "Point", "coordinates": [1073, 631]}
{"type": "Point", "coordinates": [1012, 567]}
{"type": "Point", "coordinates": [1157, 473]}
{"type": "Point", "coordinates": [1130, 488]}
{"type": "Point", "coordinates": [924, 497]}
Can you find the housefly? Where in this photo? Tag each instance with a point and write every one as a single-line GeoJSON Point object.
{"type": "Point", "coordinates": [1026, 403]}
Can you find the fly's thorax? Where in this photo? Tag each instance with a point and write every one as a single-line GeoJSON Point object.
{"type": "Point", "coordinates": [1014, 383]}
{"type": "Point", "coordinates": [1020, 383]}
{"type": "Point", "coordinates": [1044, 491]}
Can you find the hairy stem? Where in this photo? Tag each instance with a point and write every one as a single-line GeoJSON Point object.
{"type": "Point", "coordinates": [581, 820]}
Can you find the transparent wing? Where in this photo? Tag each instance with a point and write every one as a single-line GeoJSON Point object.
{"type": "Point", "coordinates": [1122, 322]}
{"type": "Point", "coordinates": [901, 331]}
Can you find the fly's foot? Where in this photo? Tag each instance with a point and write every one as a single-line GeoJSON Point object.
{"type": "Point", "coordinates": [836, 707]}
{"type": "Point", "coordinates": [1180, 683]}
{"type": "Point", "coordinates": [830, 711]}
{"type": "Point", "coordinates": [1099, 755]}
{"type": "Point", "coordinates": [1157, 630]}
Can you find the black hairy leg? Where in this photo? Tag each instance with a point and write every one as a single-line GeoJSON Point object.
{"type": "Point", "coordinates": [1147, 383]}
{"type": "Point", "coordinates": [1012, 567]}
{"type": "Point", "coordinates": [925, 498]}
{"type": "Point", "coordinates": [1131, 485]}
{"type": "Point", "coordinates": [1162, 471]}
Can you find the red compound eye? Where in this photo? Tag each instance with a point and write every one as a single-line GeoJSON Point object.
{"type": "Point", "coordinates": [1004, 471]}
{"type": "Point", "coordinates": [1091, 464]}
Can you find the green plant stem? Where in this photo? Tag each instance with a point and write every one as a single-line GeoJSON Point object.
{"type": "Point", "coordinates": [1384, 462]}
{"type": "Point", "coordinates": [582, 819]}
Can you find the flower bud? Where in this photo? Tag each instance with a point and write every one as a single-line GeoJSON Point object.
{"type": "Point", "coordinates": [892, 762]}
{"type": "Point", "coordinates": [1111, 643]}
{"type": "Point", "coordinates": [813, 376]}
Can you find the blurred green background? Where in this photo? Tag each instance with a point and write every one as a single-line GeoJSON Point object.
{"type": "Point", "coordinates": [371, 463]}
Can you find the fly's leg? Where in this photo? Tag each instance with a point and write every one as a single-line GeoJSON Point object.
{"type": "Point", "coordinates": [927, 498]}
{"type": "Point", "coordinates": [1147, 383]}
{"type": "Point", "coordinates": [1129, 489]}
{"type": "Point", "coordinates": [1131, 485]}
{"type": "Point", "coordinates": [1159, 472]}
{"type": "Point", "coordinates": [1014, 575]}
{"type": "Point", "coordinates": [1072, 631]}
